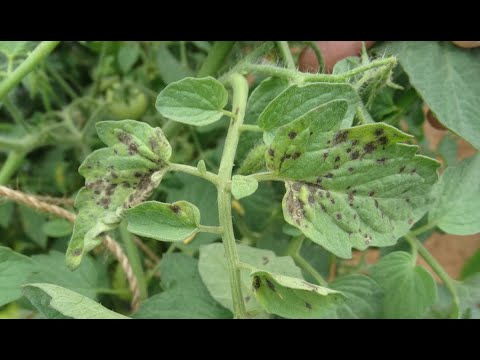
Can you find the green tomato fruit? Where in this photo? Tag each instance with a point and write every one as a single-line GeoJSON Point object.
{"type": "Point", "coordinates": [126, 102]}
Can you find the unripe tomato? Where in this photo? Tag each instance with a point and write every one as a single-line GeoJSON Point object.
{"type": "Point", "coordinates": [126, 102]}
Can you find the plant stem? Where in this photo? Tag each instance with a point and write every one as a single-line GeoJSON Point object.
{"type": "Point", "coordinates": [37, 55]}
{"type": "Point", "coordinates": [265, 176]}
{"type": "Point", "coordinates": [11, 165]}
{"type": "Point", "coordinates": [442, 274]}
{"type": "Point", "coordinates": [294, 251]}
{"type": "Point", "coordinates": [213, 178]}
{"type": "Point", "coordinates": [215, 58]}
{"type": "Point", "coordinates": [286, 54]}
{"type": "Point", "coordinates": [391, 61]}
{"type": "Point", "coordinates": [318, 54]}
{"type": "Point", "coordinates": [210, 229]}
{"type": "Point", "coordinates": [253, 128]}
{"type": "Point", "coordinates": [183, 54]}
{"type": "Point", "coordinates": [240, 94]}
{"type": "Point", "coordinates": [276, 71]}
{"type": "Point", "coordinates": [422, 229]}
{"type": "Point", "coordinates": [65, 86]}
{"type": "Point", "coordinates": [134, 258]}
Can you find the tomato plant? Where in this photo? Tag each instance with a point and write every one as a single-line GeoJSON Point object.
{"type": "Point", "coordinates": [152, 180]}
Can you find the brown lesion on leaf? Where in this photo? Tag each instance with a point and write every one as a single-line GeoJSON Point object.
{"type": "Point", "coordinates": [296, 155]}
{"type": "Point", "coordinates": [355, 155]}
{"type": "Point", "coordinates": [340, 137]}
{"type": "Point", "coordinates": [256, 282]}
{"type": "Point", "coordinates": [378, 132]}
{"type": "Point", "coordinates": [265, 260]}
{"type": "Point", "coordinates": [338, 216]}
{"type": "Point", "coordinates": [271, 152]}
{"type": "Point", "coordinates": [381, 161]}
{"type": "Point", "coordinates": [410, 221]}
{"type": "Point", "coordinates": [337, 159]}
{"type": "Point", "coordinates": [175, 209]}
{"type": "Point", "coordinates": [292, 135]}
{"type": "Point", "coordinates": [383, 140]}
{"type": "Point", "coordinates": [376, 203]}
{"type": "Point", "coordinates": [350, 169]}
{"type": "Point", "coordinates": [369, 147]}
{"type": "Point", "coordinates": [371, 193]}
{"type": "Point", "coordinates": [77, 252]}
{"type": "Point", "coordinates": [329, 175]}
{"type": "Point", "coordinates": [153, 144]}
{"type": "Point", "coordinates": [270, 285]}
{"type": "Point", "coordinates": [325, 155]}
{"type": "Point", "coordinates": [402, 169]}
{"type": "Point", "coordinates": [414, 171]}
{"type": "Point", "coordinates": [349, 150]}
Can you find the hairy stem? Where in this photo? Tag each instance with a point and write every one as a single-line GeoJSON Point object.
{"type": "Point", "coordinates": [134, 258]}
{"type": "Point", "coordinates": [187, 169]}
{"type": "Point", "coordinates": [11, 165]}
{"type": "Point", "coordinates": [318, 54]}
{"type": "Point", "coordinates": [286, 54]}
{"type": "Point", "coordinates": [439, 270]}
{"type": "Point", "coordinates": [253, 128]}
{"type": "Point", "coordinates": [215, 58]}
{"type": "Point", "coordinates": [37, 55]}
{"type": "Point", "coordinates": [240, 94]}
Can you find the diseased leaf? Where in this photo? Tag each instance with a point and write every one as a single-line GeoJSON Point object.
{"type": "Point", "coordinates": [214, 272]}
{"type": "Point", "coordinates": [193, 101]}
{"type": "Point", "coordinates": [56, 302]}
{"type": "Point", "coordinates": [185, 295]}
{"type": "Point", "coordinates": [364, 297]}
{"type": "Point", "coordinates": [116, 178]}
{"type": "Point", "coordinates": [15, 269]}
{"type": "Point", "coordinates": [292, 297]}
{"type": "Point", "coordinates": [161, 221]}
{"type": "Point", "coordinates": [448, 79]}
{"type": "Point", "coordinates": [297, 100]}
{"type": "Point", "coordinates": [243, 186]}
{"type": "Point", "coordinates": [349, 188]}
{"type": "Point", "coordinates": [456, 208]}
{"type": "Point", "coordinates": [409, 290]}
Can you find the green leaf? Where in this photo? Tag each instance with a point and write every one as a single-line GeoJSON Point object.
{"type": "Point", "coordinates": [349, 188]}
{"type": "Point", "coordinates": [243, 186]}
{"type": "Point", "coordinates": [57, 228]}
{"type": "Point", "coordinates": [456, 208]}
{"type": "Point", "coordinates": [298, 100]}
{"type": "Point", "coordinates": [51, 268]}
{"type": "Point", "coordinates": [116, 178]}
{"type": "Point", "coordinates": [214, 272]}
{"type": "Point", "coordinates": [293, 298]}
{"type": "Point", "coordinates": [15, 269]}
{"type": "Point", "coordinates": [6, 213]}
{"type": "Point", "coordinates": [471, 266]}
{"type": "Point", "coordinates": [56, 302]}
{"type": "Point", "coordinates": [469, 295]}
{"type": "Point", "coordinates": [161, 221]}
{"type": "Point", "coordinates": [193, 101]}
{"type": "Point", "coordinates": [185, 295]}
{"type": "Point", "coordinates": [128, 55]}
{"type": "Point", "coordinates": [203, 195]}
{"type": "Point", "coordinates": [32, 222]}
{"type": "Point", "coordinates": [409, 290]}
{"type": "Point", "coordinates": [448, 149]}
{"type": "Point", "coordinates": [448, 79]}
{"type": "Point", "coordinates": [169, 67]}
{"type": "Point", "coordinates": [364, 297]}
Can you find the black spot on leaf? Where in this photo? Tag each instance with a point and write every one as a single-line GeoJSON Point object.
{"type": "Point", "coordinates": [401, 169]}
{"type": "Point", "coordinates": [350, 169]}
{"type": "Point", "coordinates": [325, 155]}
{"type": "Point", "coordinates": [77, 252]}
{"type": "Point", "coordinates": [329, 175]}
{"type": "Point", "coordinates": [337, 159]}
{"type": "Point", "coordinates": [349, 150]}
{"type": "Point", "coordinates": [270, 285]}
{"type": "Point", "coordinates": [378, 132]}
{"type": "Point", "coordinates": [292, 135]}
{"type": "Point", "coordinates": [339, 216]}
{"type": "Point", "coordinates": [137, 174]}
{"type": "Point", "coordinates": [381, 161]}
{"type": "Point", "coordinates": [296, 155]}
{"type": "Point", "coordinates": [271, 152]}
{"type": "Point", "coordinates": [383, 140]}
{"type": "Point", "coordinates": [354, 142]}
{"type": "Point", "coordinates": [376, 203]}
{"type": "Point", "coordinates": [308, 305]}
{"type": "Point", "coordinates": [371, 193]}
{"type": "Point", "coordinates": [369, 148]}
{"type": "Point", "coordinates": [175, 208]}
{"type": "Point", "coordinates": [355, 155]}
{"type": "Point", "coordinates": [265, 260]}
{"type": "Point", "coordinates": [340, 137]}
{"type": "Point", "coordinates": [256, 282]}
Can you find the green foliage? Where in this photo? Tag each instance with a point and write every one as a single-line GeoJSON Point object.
{"type": "Point", "coordinates": [192, 101]}
{"type": "Point", "coordinates": [167, 222]}
{"type": "Point", "coordinates": [244, 196]}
